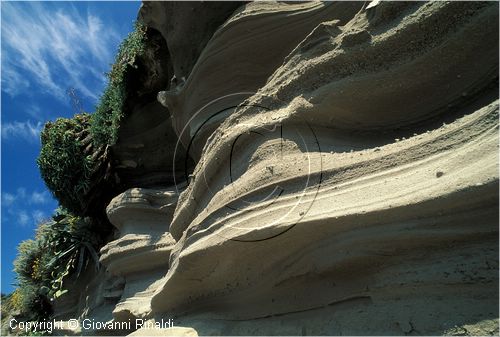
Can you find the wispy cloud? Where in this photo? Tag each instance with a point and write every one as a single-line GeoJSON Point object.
{"type": "Point", "coordinates": [28, 130]}
{"type": "Point", "coordinates": [12, 82]}
{"type": "Point", "coordinates": [38, 216]}
{"type": "Point", "coordinates": [23, 218]}
{"type": "Point", "coordinates": [26, 207]}
{"type": "Point", "coordinates": [21, 193]}
{"type": "Point", "coordinates": [35, 197]}
{"type": "Point", "coordinates": [34, 112]}
{"type": "Point", "coordinates": [52, 49]}
{"type": "Point", "coordinates": [8, 199]}
{"type": "Point", "coordinates": [39, 197]}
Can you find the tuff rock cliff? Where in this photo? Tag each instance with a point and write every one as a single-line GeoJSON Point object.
{"type": "Point", "coordinates": [306, 168]}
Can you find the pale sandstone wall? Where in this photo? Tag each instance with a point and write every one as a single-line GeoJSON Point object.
{"type": "Point", "coordinates": [346, 171]}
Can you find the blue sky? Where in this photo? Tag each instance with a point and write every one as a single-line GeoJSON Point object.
{"type": "Point", "coordinates": [46, 49]}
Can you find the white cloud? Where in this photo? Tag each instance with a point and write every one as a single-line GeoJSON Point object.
{"type": "Point", "coordinates": [8, 199]}
{"type": "Point", "coordinates": [12, 82]}
{"type": "Point", "coordinates": [23, 218]}
{"type": "Point", "coordinates": [39, 197]}
{"type": "Point", "coordinates": [21, 193]}
{"type": "Point", "coordinates": [34, 112]}
{"type": "Point", "coordinates": [38, 216]}
{"type": "Point", "coordinates": [23, 197]}
{"type": "Point", "coordinates": [26, 207]}
{"type": "Point", "coordinates": [54, 48]}
{"type": "Point", "coordinates": [24, 130]}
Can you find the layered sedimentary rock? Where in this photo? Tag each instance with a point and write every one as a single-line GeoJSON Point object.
{"type": "Point", "coordinates": [254, 42]}
{"type": "Point", "coordinates": [174, 331]}
{"type": "Point", "coordinates": [313, 88]}
{"type": "Point", "coordinates": [358, 186]}
{"type": "Point", "coordinates": [141, 156]}
{"type": "Point", "coordinates": [407, 247]}
{"type": "Point", "coordinates": [346, 177]}
{"type": "Point", "coordinates": [97, 295]}
{"type": "Point", "coordinates": [141, 253]}
{"type": "Point", "coordinates": [186, 27]}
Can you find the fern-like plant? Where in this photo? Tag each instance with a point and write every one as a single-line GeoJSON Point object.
{"type": "Point", "coordinates": [72, 243]}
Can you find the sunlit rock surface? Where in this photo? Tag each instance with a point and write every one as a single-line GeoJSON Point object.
{"type": "Point", "coordinates": [358, 186]}
{"type": "Point", "coordinates": [238, 60]}
{"type": "Point", "coordinates": [141, 253]}
{"type": "Point", "coordinates": [313, 168]}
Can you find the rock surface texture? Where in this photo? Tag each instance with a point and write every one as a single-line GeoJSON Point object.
{"type": "Point", "coordinates": [334, 170]}
{"type": "Point", "coordinates": [141, 254]}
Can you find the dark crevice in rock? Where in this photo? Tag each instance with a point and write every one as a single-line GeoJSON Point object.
{"type": "Point", "coordinates": [144, 153]}
{"type": "Point", "coordinates": [151, 74]}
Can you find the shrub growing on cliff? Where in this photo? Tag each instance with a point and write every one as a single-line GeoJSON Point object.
{"type": "Point", "coordinates": [63, 164]}
{"type": "Point", "coordinates": [70, 164]}
{"type": "Point", "coordinates": [9, 308]}
{"type": "Point", "coordinates": [32, 302]}
{"type": "Point", "coordinates": [61, 248]}
{"type": "Point", "coordinates": [109, 111]}
{"type": "Point", "coordinates": [73, 243]}
{"type": "Point", "coordinates": [74, 161]}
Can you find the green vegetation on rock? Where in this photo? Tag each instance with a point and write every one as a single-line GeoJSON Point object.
{"type": "Point", "coordinates": [62, 247]}
{"type": "Point", "coordinates": [67, 160]}
{"type": "Point", "coordinates": [75, 164]}
{"type": "Point", "coordinates": [109, 111]}
{"type": "Point", "coordinates": [74, 159]}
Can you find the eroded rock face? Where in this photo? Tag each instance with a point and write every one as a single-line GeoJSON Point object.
{"type": "Point", "coordinates": [367, 235]}
{"type": "Point", "coordinates": [238, 60]}
{"type": "Point", "coordinates": [346, 177]}
{"type": "Point", "coordinates": [287, 100]}
{"type": "Point", "coordinates": [186, 27]}
{"type": "Point", "coordinates": [91, 296]}
{"type": "Point", "coordinates": [141, 253]}
{"type": "Point", "coordinates": [144, 153]}
{"type": "Point", "coordinates": [359, 185]}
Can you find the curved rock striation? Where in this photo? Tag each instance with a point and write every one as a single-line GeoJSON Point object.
{"type": "Point", "coordinates": [237, 61]}
{"type": "Point", "coordinates": [345, 174]}
{"type": "Point", "coordinates": [372, 233]}
{"type": "Point", "coordinates": [140, 255]}
{"type": "Point", "coordinates": [277, 104]}
{"type": "Point", "coordinates": [358, 186]}
{"type": "Point", "coordinates": [186, 27]}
